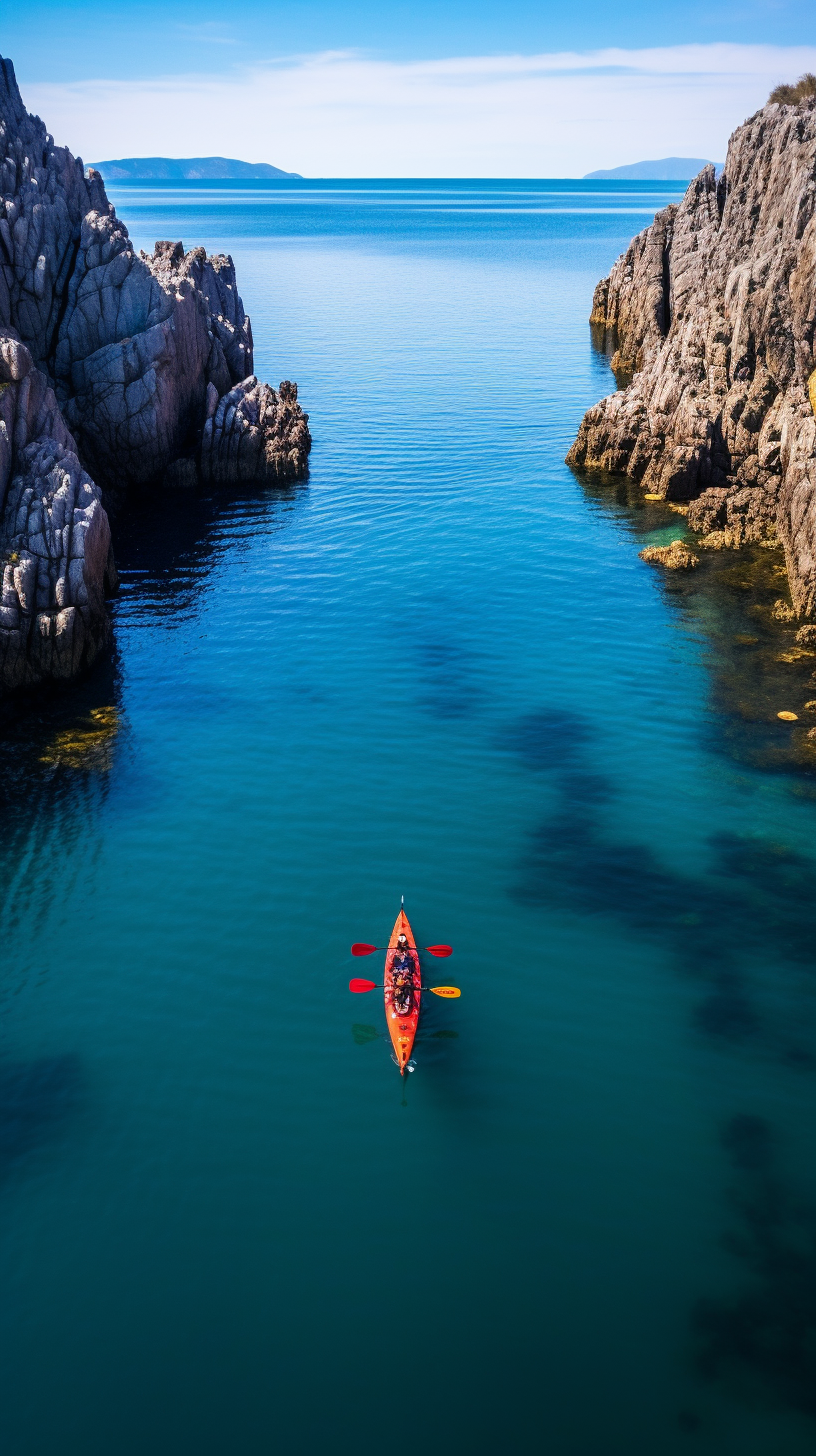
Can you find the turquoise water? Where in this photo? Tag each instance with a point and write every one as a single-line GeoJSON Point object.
{"type": "Point", "coordinates": [437, 668]}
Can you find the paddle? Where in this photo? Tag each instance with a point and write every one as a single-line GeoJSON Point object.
{"type": "Point", "coordinates": [359, 986]}
{"type": "Point", "coordinates": [361, 948]}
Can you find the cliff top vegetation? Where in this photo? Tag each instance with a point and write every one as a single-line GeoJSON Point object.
{"type": "Point", "coordinates": [788, 95]}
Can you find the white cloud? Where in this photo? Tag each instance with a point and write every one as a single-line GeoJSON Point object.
{"type": "Point", "coordinates": [347, 115]}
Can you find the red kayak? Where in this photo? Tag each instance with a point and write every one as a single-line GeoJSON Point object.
{"type": "Point", "coordinates": [402, 988]}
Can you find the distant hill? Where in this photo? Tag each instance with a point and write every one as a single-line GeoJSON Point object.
{"type": "Point", "coordinates": [184, 169]}
{"type": "Point", "coordinates": [668, 169]}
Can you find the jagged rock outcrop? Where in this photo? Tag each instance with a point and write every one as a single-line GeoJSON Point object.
{"type": "Point", "coordinates": [712, 310]}
{"type": "Point", "coordinates": [136, 368]}
{"type": "Point", "coordinates": [253, 432]}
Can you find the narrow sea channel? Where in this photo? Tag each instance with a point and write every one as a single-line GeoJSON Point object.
{"type": "Point", "coordinates": [437, 668]}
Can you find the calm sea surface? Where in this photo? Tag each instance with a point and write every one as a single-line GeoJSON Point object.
{"type": "Point", "coordinates": [437, 668]}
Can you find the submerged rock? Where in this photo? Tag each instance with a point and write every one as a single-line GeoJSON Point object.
{"type": "Point", "coordinates": [676, 557]}
{"type": "Point", "coordinates": [712, 310]}
{"type": "Point", "coordinates": [118, 369]}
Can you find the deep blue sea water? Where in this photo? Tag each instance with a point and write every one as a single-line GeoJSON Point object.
{"type": "Point", "coordinates": [587, 1224]}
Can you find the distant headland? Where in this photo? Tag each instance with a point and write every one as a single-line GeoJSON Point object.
{"type": "Point", "coordinates": [187, 169]}
{"type": "Point", "coordinates": [667, 169]}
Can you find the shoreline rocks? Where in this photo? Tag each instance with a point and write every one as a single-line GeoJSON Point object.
{"type": "Point", "coordinates": [710, 320]}
{"type": "Point", "coordinates": [675, 557]}
{"type": "Point", "coordinates": [118, 370]}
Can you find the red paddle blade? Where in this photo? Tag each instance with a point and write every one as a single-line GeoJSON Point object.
{"type": "Point", "coordinates": [360, 948]}
{"type": "Point", "coordinates": [359, 985]}
{"type": "Point", "coordinates": [440, 950]}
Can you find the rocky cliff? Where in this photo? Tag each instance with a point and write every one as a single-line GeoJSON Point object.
{"type": "Point", "coordinates": [711, 314]}
{"type": "Point", "coordinates": [118, 370]}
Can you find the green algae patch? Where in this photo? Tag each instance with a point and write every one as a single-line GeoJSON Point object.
{"type": "Point", "coordinates": [86, 746]}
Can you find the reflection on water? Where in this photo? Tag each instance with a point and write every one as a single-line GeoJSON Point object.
{"type": "Point", "coordinates": [168, 547]}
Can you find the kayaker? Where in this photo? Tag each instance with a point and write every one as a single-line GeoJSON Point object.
{"type": "Point", "coordinates": [403, 994]}
{"type": "Point", "coordinates": [402, 956]}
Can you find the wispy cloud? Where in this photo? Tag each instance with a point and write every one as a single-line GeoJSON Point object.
{"type": "Point", "coordinates": [345, 114]}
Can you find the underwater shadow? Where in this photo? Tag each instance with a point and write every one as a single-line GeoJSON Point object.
{"type": "Point", "coordinates": [448, 684]}
{"type": "Point", "coordinates": [37, 1098]}
{"type": "Point", "coordinates": [753, 903]}
{"type": "Point", "coordinates": [768, 1331]}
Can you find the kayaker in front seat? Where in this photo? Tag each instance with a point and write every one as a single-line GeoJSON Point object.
{"type": "Point", "coordinates": [403, 960]}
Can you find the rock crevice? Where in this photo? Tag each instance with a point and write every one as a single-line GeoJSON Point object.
{"type": "Point", "coordinates": [710, 320]}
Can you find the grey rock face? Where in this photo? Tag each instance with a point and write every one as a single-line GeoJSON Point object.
{"type": "Point", "coordinates": [142, 337]}
{"type": "Point", "coordinates": [56, 558]}
{"type": "Point", "coordinates": [712, 310]}
{"type": "Point", "coordinates": [119, 356]}
{"type": "Point", "coordinates": [253, 433]}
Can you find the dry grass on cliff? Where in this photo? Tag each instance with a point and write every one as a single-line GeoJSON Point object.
{"type": "Point", "coordinates": [789, 95]}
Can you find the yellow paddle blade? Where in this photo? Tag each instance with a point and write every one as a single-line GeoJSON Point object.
{"type": "Point", "coordinates": [446, 990]}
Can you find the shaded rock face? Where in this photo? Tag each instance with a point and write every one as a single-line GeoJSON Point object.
{"type": "Point", "coordinates": [136, 368]}
{"type": "Point", "coordinates": [712, 310]}
{"type": "Point", "coordinates": [56, 558]}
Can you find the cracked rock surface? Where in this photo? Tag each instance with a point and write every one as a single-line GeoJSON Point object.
{"type": "Point", "coordinates": [710, 316]}
{"type": "Point", "coordinates": [118, 370]}
{"type": "Point", "coordinates": [56, 559]}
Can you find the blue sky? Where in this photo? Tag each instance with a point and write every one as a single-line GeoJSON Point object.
{"type": "Point", "coordinates": [51, 41]}
{"type": "Point", "coordinates": [434, 88]}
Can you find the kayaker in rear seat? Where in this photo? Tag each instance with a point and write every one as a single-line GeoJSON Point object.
{"type": "Point", "coordinates": [403, 994]}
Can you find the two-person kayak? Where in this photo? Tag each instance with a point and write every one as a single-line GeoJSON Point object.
{"type": "Point", "coordinates": [402, 990]}
{"type": "Point", "coordinates": [402, 986]}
